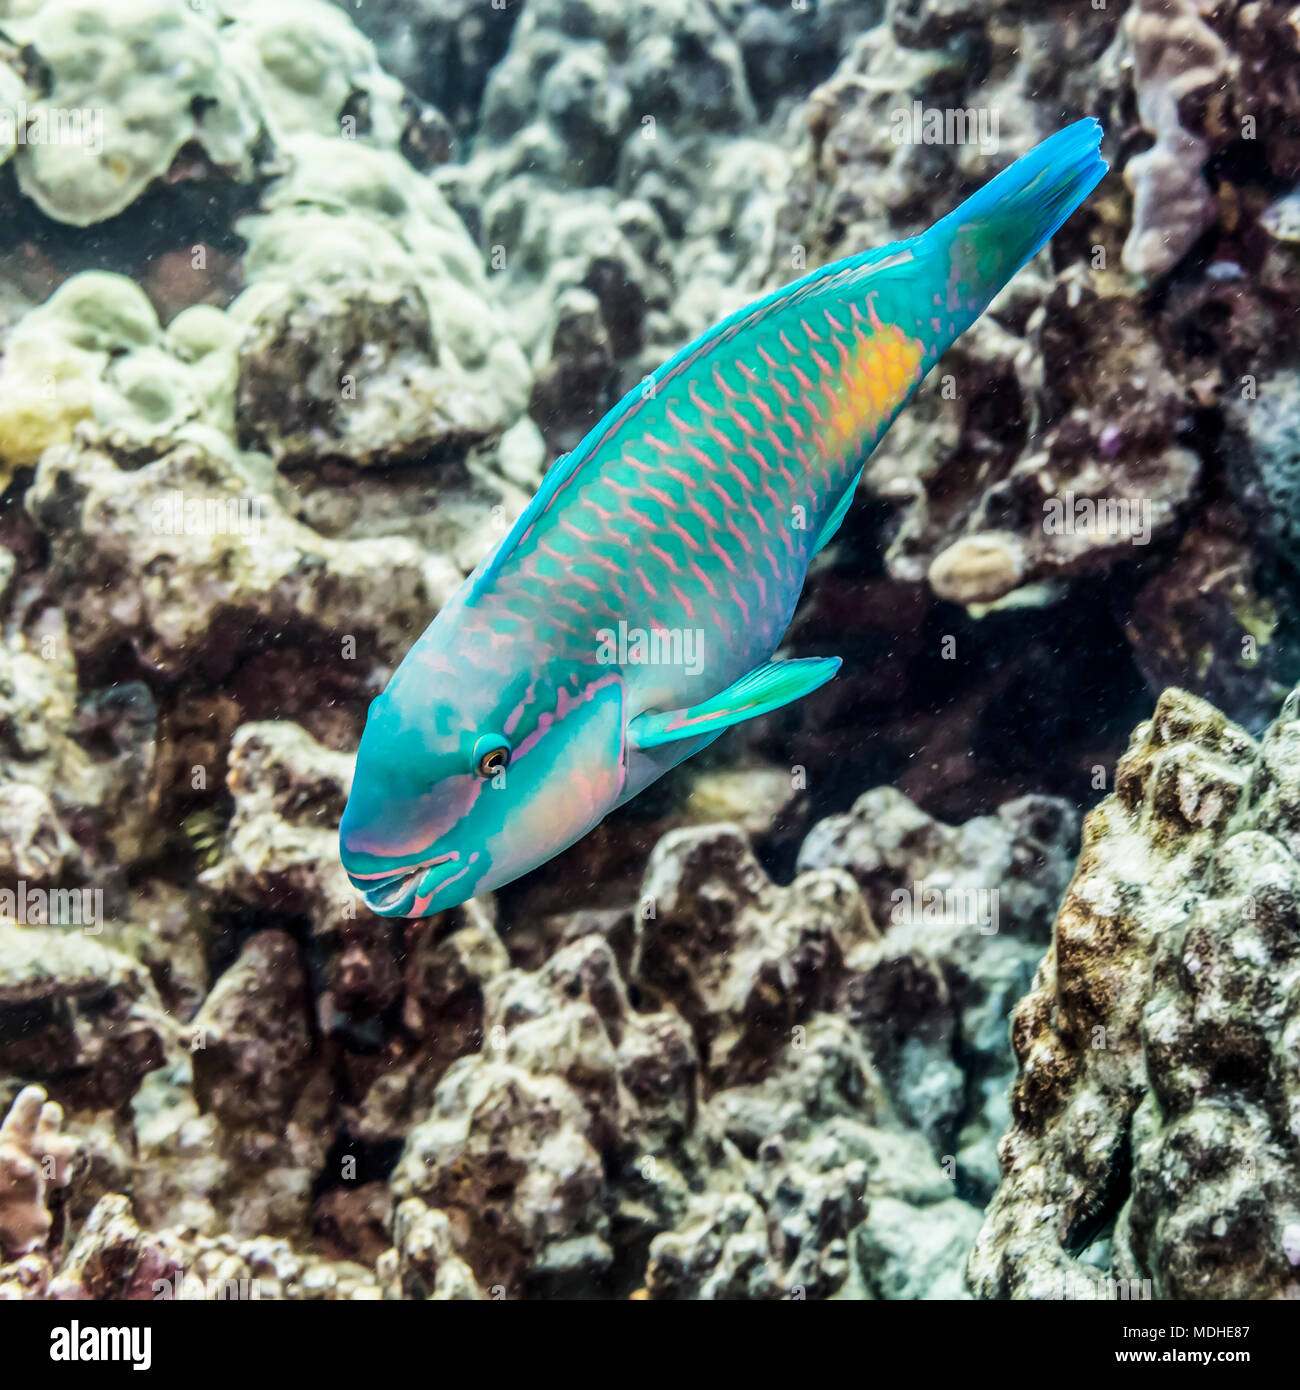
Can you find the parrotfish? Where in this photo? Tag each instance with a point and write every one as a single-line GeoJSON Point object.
{"type": "Point", "coordinates": [632, 612]}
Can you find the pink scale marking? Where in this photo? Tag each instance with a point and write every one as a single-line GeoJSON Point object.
{"type": "Point", "coordinates": [693, 391]}
{"type": "Point", "coordinates": [722, 555]}
{"type": "Point", "coordinates": [704, 579]}
{"type": "Point", "coordinates": [663, 556]}
{"type": "Point", "coordinates": [700, 457]}
{"type": "Point", "coordinates": [739, 535]}
{"type": "Point", "coordinates": [720, 381]}
{"type": "Point", "coordinates": [740, 475]}
{"type": "Point", "coordinates": [724, 497]}
{"type": "Point", "coordinates": [682, 534]}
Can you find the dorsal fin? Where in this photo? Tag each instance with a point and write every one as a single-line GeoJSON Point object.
{"type": "Point", "coordinates": [554, 479]}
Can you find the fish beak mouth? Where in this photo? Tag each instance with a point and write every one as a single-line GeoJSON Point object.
{"type": "Point", "coordinates": [395, 895]}
{"type": "Point", "coordinates": [389, 895]}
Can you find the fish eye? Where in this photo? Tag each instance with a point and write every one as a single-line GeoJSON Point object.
{"type": "Point", "coordinates": [491, 755]}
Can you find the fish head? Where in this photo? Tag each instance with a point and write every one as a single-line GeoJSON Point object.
{"type": "Point", "coordinates": [462, 787]}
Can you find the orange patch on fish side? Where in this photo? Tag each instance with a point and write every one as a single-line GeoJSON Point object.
{"type": "Point", "coordinates": [881, 373]}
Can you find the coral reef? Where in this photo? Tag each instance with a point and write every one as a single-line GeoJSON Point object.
{"type": "Point", "coordinates": [298, 301]}
{"type": "Point", "coordinates": [1073, 439]}
{"type": "Point", "coordinates": [735, 1129]}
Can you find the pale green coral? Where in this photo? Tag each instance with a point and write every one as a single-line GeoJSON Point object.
{"type": "Point", "coordinates": [348, 215]}
{"type": "Point", "coordinates": [147, 76]}
{"type": "Point", "coordinates": [95, 350]}
{"type": "Point", "coordinates": [133, 82]}
{"type": "Point", "coordinates": [308, 63]}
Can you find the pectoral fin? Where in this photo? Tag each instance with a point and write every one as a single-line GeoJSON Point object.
{"type": "Point", "coordinates": [764, 688]}
{"type": "Point", "coordinates": [836, 518]}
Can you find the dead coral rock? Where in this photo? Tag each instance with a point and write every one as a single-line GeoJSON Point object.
{"type": "Point", "coordinates": [1024, 853]}
{"type": "Point", "coordinates": [34, 1159]}
{"type": "Point", "coordinates": [1093, 476]}
{"type": "Point", "coordinates": [587, 1150]}
{"type": "Point", "coordinates": [233, 1135]}
{"type": "Point", "coordinates": [77, 802]}
{"type": "Point", "coordinates": [1154, 1114]}
{"type": "Point", "coordinates": [85, 1018]}
{"type": "Point", "coordinates": [439, 994]}
{"type": "Point", "coordinates": [572, 1086]}
{"type": "Point", "coordinates": [115, 1259]}
{"type": "Point", "coordinates": [281, 846]}
{"type": "Point", "coordinates": [190, 558]}
{"type": "Point", "coordinates": [256, 1070]}
{"type": "Point", "coordinates": [255, 1044]}
{"type": "Point", "coordinates": [743, 960]}
{"type": "Point", "coordinates": [423, 1263]}
{"type": "Point", "coordinates": [35, 845]}
{"type": "Point", "coordinates": [352, 1222]}
{"type": "Point", "coordinates": [1205, 611]}
{"type": "Point", "coordinates": [966, 908]}
{"type": "Point", "coordinates": [506, 1154]}
{"type": "Point", "coordinates": [351, 373]}
{"type": "Point", "coordinates": [1180, 63]}
{"type": "Point", "coordinates": [1074, 433]}
{"type": "Point", "coordinates": [909, 1254]}
{"type": "Point", "coordinates": [722, 1254]}
{"type": "Point", "coordinates": [635, 1073]}
{"type": "Point", "coordinates": [822, 1136]}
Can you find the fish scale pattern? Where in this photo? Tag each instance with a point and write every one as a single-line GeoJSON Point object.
{"type": "Point", "coordinates": [705, 498]}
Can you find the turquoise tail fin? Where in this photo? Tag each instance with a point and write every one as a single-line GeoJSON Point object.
{"type": "Point", "coordinates": [996, 230]}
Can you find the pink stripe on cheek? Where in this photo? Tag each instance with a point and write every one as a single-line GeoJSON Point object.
{"type": "Point", "coordinates": [410, 868]}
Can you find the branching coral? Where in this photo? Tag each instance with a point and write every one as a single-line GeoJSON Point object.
{"type": "Point", "coordinates": [34, 1158]}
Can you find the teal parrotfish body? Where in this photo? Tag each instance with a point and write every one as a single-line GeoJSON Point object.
{"type": "Point", "coordinates": [631, 613]}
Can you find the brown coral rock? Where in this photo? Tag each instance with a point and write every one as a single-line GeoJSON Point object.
{"type": "Point", "coordinates": [1155, 1111]}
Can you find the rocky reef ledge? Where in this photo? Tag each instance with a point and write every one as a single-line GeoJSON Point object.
{"type": "Point", "coordinates": [1157, 1106]}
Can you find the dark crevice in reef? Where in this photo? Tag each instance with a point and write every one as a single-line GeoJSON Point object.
{"type": "Point", "coordinates": [350, 1163]}
{"type": "Point", "coordinates": [171, 218]}
{"type": "Point", "coordinates": [1093, 1222]}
